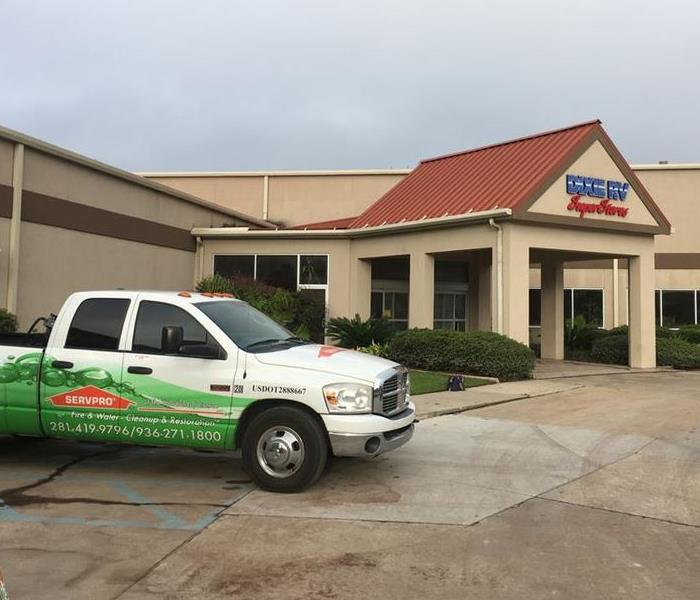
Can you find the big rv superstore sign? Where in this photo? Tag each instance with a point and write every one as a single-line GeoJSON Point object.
{"type": "Point", "coordinates": [609, 191]}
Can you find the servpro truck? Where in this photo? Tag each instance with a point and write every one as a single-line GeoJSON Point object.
{"type": "Point", "coordinates": [203, 371]}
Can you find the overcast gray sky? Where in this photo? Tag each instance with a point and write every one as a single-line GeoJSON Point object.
{"type": "Point", "coordinates": [318, 84]}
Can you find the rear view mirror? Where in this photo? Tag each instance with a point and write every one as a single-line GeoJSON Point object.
{"type": "Point", "coordinates": [171, 339]}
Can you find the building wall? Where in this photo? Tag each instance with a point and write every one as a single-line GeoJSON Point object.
{"type": "Point", "coordinates": [62, 179]}
{"type": "Point", "coordinates": [677, 192]}
{"type": "Point", "coordinates": [293, 199]}
{"type": "Point", "coordinates": [56, 262]}
{"type": "Point", "coordinates": [239, 193]}
{"type": "Point", "coordinates": [86, 228]}
{"type": "Point", "coordinates": [298, 200]}
{"type": "Point", "coordinates": [6, 152]}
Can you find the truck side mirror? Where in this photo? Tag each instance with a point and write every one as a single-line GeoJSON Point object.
{"type": "Point", "coordinates": [171, 339]}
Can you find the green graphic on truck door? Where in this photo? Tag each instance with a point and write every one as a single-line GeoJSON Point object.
{"type": "Point", "coordinates": [93, 403]}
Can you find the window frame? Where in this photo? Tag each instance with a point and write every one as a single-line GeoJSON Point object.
{"type": "Point", "coordinates": [383, 293]}
{"type": "Point", "coordinates": [453, 320]}
{"type": "Point", "coordinates": [122, 331]}
{"type": "Point", "coordinates": [570, 311]}
{"type": "Point", "coordinates": [661, 304]}
{"type": "Point", "coordinates": [223, 354]}
{"type": "Point", "coordinates": [299, 285]}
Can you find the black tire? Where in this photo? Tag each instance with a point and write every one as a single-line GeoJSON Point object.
{"type": "Point", "coordinates": [307, 459]}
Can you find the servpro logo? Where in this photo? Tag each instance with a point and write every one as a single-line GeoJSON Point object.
{"type": "Point", "coordinates": [90, 397]}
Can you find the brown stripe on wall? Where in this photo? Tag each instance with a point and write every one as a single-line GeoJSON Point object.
{"type": "Point", "coordinates": [47, 210]}
{"type": "Point", "coordinates": [677, 260]}
{"type": "Point", "coordinates": [6, 201]}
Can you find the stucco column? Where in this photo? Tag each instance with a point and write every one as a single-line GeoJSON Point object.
{"type": "Point", "coordinates": [360, 287]}
{"type": "Point", "coordinates": [421, 290]}
{"type": "Point", "coordinates": [479, 291]}
{"type": "Point", "coordinates": [642, 328]}
{"type": "Point", "coordinates": [552, 275]}
{"type": "Point", "coordinates": [516, 285]}
{"type": "Point", "coordinates": [15, 228]}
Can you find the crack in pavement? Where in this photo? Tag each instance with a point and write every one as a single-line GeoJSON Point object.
{"type": "Point", "coordinates": [18, 496]}
{"type": "Point", "coordinates": [618, 512]}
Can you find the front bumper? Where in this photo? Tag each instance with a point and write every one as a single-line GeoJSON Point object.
{"type": "Point", "coordinates": [370, 444]}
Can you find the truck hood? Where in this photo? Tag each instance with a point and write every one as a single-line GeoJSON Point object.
{"type": "Point", "coordinates": [328, 359]}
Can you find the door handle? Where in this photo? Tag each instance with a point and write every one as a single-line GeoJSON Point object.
{"type": "Point", "coordinates": [62, 364]}
{"type": "Point", "coordinates": [140, 370]}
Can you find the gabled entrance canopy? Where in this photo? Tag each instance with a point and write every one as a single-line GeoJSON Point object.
{"type": "Point", "coordinates": [553, 177]}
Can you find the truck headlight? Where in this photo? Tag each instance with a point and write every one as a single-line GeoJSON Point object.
{"type": "Point", "coordinates": [348, 398]}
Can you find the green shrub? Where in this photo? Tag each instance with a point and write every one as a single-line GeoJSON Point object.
{"type": "Point", "coordinates": [690, 333]}
{"type": "Point", "coordinates": [664, 332]}
{"type": "Point", "coordinates": [8, 322]}
{"type": "Point", "coordinates": [475, 352]}
{"type": "Point", "coordinates": [620, 330]}
{"type": "Point", "coordinates": [300, 311]}
{"type": "Point", "coordinates": [356, 333]}
{"type": "Point", "coordinates": [381, 350]}
{"type": "Point", "coordinates": [670, 352]}
{"type": "Point", "coordinates": [612, 349]}
{"type": "Point", "coordinates": [216, 283]}
{"type": "Point", "coordinates": [677, 353]}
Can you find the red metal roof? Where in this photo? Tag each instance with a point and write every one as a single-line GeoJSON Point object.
{"type": "Point", "coordinates": [499, 176]}
{"type": "Point", "coordinates": [343, 223]}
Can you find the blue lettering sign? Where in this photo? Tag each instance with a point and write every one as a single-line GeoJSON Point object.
{"type": "Point", "coordinates": [576, 185]}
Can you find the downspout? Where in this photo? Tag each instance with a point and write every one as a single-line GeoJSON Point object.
{"type": "Point", "coordinates": [15, 228]}
{"type": "Point", "coordinates": [266, 196]}
{"type": "Point", "coordinates": [499, 275]}
{"type": "Point", "coordinates": [615, 294]}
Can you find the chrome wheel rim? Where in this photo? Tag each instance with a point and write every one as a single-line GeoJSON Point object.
{"type": "Point", "coordinates": [280, 452]}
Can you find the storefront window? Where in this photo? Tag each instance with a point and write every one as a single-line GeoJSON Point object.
{"type": "Point", "coordinates": [313, 270]}
{"type": "Point", "coordinates": [677, 307]}
{"type": "Point", "coordinates": [235, 267]}
{"type": "Point", "coordinates": [587, 303]}
{"type": "Point", "coordinates": [292, 271]}
{"type": "Point", "coordinates": [280, 271]}
{"type": "Point", "coordinates": [450, 311]}
{"type": "Point", "coordinates": [392, 306]}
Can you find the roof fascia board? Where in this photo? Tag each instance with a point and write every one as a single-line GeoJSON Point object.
{"type": "Point", "coordinates": [441, 222]}
{"type": "Point", "coordinates": [644, 195]}
{"type": "Point", "coordinates": [90, 163]}
{"type": "Point", "coordinates": [316, 173]}
{"type": "Point", "coordinates": [597, 134]}
{"type": "Point", "coordinates": [667, 167]}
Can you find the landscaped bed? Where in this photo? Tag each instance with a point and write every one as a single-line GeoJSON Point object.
{"type": "Point", "coordinates": [425, 382]}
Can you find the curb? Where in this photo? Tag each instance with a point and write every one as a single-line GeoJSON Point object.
{"type": "Point", "coordinates": [460, 409]}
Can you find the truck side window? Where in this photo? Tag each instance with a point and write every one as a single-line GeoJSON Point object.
{"type": "Point", "coordinates": [151, 319]}
{"type": "Point", "coordinates": [97, 324]}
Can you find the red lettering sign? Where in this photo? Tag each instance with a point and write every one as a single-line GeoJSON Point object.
{"type": "Point", "coordinates": [90, 397]}
{"type": "Point", "coordinates": [604, 207]}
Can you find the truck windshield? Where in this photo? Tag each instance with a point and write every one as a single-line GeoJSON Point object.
{"type": "Point", "coordinates": [249, 329]}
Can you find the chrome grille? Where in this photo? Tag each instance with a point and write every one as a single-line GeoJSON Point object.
{"type": "Point", "coordinates": [393, 393]}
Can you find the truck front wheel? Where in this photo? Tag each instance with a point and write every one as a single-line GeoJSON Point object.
{"type": "Point", "coordinates": [284, 449]}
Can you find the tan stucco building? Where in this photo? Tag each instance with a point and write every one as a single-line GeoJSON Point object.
{"type": "Point", "coordinates": [513, 237]}
{"type": "Point", "coordinates": [70, 223]}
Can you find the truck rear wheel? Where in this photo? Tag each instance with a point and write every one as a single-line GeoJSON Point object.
{"type": "Point", "coordinates": [284, 449]}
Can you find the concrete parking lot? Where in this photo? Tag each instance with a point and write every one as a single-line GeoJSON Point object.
{"type": "Point", "coordinates": [591, 490]}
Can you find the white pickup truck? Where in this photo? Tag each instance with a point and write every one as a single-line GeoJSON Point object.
{"type": "Point", "coordinates": [201, 370]}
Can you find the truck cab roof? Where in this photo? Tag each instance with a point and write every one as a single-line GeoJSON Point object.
{"type": "Point", "coordinates": [173, 297]}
